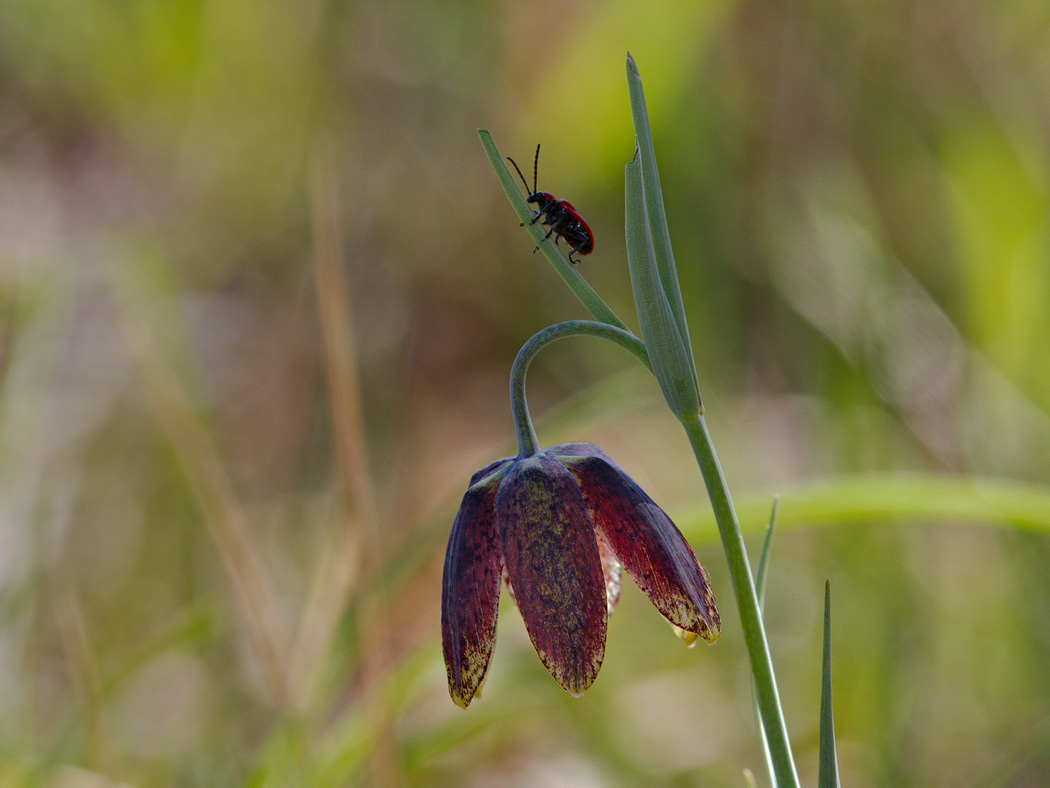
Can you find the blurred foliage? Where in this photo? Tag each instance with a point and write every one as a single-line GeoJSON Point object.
{"type": "Point", "coordinates": [259, 296]}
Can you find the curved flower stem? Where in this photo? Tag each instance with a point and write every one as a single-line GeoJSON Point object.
{"type": "Point", "coordinates": [528, 443]}
{"type": "Point", "coordinates": [747, 601]}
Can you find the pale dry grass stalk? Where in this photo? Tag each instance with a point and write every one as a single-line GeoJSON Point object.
{"type": "Point", "coordinates": [339, 566]}
{"type": "Point", "coordinates": [355, 553]}
{"type": "Point", "coordinates": [254, 596]}
{"type": "Point", "coordinates": [84, 677]}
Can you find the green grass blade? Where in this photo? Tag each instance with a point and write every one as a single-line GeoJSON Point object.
{"type": "Point", "coordinates": [672, 364]}
{"type": "Point", "coordinates": [828, 771]}
{"type": "Point", "coordinates": [760, 590]}
{"type": "Point", "coordinates": [566, 270]}
{"type": "Point", "coordinates": [655, 213]}
{"type": "Point", "coordinates": [763, 560]}
{"type": "Point", "coordinates": [889, 496]}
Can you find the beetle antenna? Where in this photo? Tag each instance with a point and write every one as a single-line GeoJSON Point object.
{"type": "Point", "coordinates": [524, 182]}
{"type": "Point", "coordinates": [535, 169]}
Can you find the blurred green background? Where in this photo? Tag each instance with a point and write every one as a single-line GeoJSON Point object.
{"type": "Point", "coordinates": [260, 293]}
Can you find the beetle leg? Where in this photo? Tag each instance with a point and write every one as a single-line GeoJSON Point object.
{"type": "Point", "coordinates": [550, 232]}
{"type": "Point", "coordinates": [575, 249]}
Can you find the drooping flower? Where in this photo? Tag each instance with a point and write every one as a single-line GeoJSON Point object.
{"type": "Point", "coordinates": [559, 524]}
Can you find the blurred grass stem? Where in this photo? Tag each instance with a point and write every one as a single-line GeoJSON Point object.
{"type": "Point", "coordinates": [357, 543]}
{"type": "Point", "coordinates": [83, 676]}
{"type": "Point", "coordinates": [224, 516]}
{"type": "Point", "coordinates": [339, 564]}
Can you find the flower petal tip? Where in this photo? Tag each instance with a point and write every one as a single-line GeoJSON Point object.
{"type": "Point", "coordinates": [711, 627]}
{"type": "Point", "coordinates": [576, 676]}
{"type": "Point", "coordinates": [577, 689]}
{"type": "Point", "coordinates": [462, 696]}
{"type": "Point", "coordinates": [460, 701]}
{"type": "Point", "coordinates": [687, 637]}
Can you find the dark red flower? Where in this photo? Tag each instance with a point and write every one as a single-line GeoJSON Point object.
{"type": "Point", "coordinates": [560, 524]}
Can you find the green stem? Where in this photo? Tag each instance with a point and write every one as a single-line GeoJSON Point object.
{"type": "Point", "coordinates": [528, 444]}
{"type": "Point", "coordinates": [747, 601]}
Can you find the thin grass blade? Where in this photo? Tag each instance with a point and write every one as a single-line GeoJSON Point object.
{"type": "Point", "coordinates": [828, 770]}
{"type": "Point", "coordinates": [566, 270]}
{"type": "Point", "coordinates": [760, 590]}
{"type": "Point", "coordinates": [672, 363]}
{"type": "Point", "coordinates": [656, 216]}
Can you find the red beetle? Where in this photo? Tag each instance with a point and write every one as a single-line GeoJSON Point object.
{"type": "Point", "coordinates": [564, 220]}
